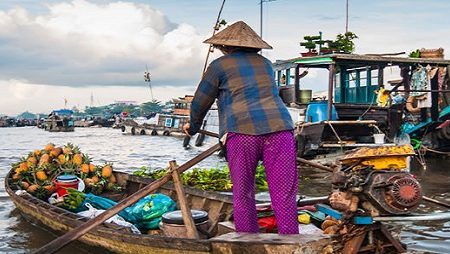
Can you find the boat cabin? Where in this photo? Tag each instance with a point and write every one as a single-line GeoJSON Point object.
{"type": "Point", "coordinates": [354, 93]}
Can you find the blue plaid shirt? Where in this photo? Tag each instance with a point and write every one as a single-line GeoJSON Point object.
{"type": "Point", "coordinates": [248, 99]}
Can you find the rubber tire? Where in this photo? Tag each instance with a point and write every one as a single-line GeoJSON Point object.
{"type": "Point", "coordinates": [142, 132]}
{"type": "Point", "coordinates": [166, 133]}
{"type": "Point", "coordinates": [154, 133]}
{"type": "Point", "coordinates": [133, 131]}
{"type": "Point", "coordinates": [123, 128]}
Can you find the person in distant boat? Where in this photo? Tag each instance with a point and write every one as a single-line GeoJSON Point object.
{"type": "Point", "coordinates": [255, 126]}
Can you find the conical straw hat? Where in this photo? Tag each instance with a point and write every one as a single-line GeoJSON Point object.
{"type": "Point", "coordinates": [238, 34]}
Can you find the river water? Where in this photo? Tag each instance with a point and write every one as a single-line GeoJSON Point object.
{"type": "Point", "coordinates": [129, 153]}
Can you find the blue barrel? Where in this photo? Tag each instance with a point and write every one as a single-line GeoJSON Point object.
{"type": "Point", "coordinates": [317, 112]}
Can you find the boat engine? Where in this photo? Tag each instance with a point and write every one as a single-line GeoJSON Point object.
{"type": "Point", "coordinates": [374, 189]}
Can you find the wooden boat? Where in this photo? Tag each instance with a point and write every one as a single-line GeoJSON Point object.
{"type": "Point", "coordinates": [60, 121]}
{"type": "Point", "coordinates": [120, 240]}
{"type": "Point", "coordinates": [352, 113]}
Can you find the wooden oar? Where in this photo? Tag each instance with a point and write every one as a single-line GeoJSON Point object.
{"type": "Point", "coordinates": [76, 233]}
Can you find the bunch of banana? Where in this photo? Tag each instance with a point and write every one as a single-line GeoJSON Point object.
{"type": "Point", "coordinates": [74, 199]}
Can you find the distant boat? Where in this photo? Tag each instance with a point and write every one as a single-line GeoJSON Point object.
{"type": "Point", "coordinates": [60, 121]}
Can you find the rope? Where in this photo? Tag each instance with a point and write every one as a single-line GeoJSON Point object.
{"type": "Point", "coordinates": [434, 151]}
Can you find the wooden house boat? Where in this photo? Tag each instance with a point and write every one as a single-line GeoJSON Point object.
{"type": "Point", "coordinates": [352, 112]}
{"type": "Point", "coordinates": [60, 121]}
{"type": "Point", "coordinates": [118, 239]}
{"type": "Point", "coordinates": [165, 124]}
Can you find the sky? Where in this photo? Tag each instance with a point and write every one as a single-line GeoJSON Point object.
{"type": "Point", "coordinates": [52, 50]}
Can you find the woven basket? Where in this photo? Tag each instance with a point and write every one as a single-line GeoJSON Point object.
{"type": "Point", "coordinates": [432, 53]}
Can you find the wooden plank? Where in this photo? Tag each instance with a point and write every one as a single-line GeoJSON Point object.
{"type": "Point", "coordinates": [191, 230]}
{"type": "Point", "coordinates": [352, 246]}
{"type": "Point", "coordinates": [391, 239]}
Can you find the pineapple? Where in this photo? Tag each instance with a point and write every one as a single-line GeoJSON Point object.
{"type": "Point", "coordinates": [32, 188]}
{"type": "Point", "coordinates": [55, 152]}
{"type": "Point", "coordinates": [68, 148]}
{"type": "Point", "coordinates": [45, 159]}
{"type": "Point", "coordinates": [62, 159]}
{"type": "Point", "coordinates": [77, 159]}
{"type": "Point", "coordinates": [49, 147]}
{"type": "Point", "coordinates": [106, 171]}
{"type": "Point", "coordinates": [32, 161]}
{"type": "Point", "coordinates": [85, 168]}
{"type": "Point", "coordinates": [40, 175]}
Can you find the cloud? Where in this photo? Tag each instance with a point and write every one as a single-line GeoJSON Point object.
{"type": "Point", "coordinates": [80, 43]}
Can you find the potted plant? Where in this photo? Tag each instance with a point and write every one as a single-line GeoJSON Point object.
{"type": "Point", "coordinates": [327, 50]}
{"type": "Point", "coordinates": [310, 43]}
{"type": "Point", "coordinates": [344, 43]}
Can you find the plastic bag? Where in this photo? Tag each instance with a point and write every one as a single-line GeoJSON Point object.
{"type": "Point", "coordinates": [147, 212]}
{"type": "Point", "coordinates": [116, 219]}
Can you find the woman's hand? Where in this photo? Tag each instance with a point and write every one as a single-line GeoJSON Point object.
{"type": "Point", "coordinates": [186, 129]}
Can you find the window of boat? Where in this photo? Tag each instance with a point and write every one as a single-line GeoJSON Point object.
{"type": "Point", "coordinates": [363, 78]}
{"type": "Point", "coordinates": [374, 77]}
{"type": "Point", "coordinates": [337, 80]}
{"type": "Point", "coordinates": [352, 79]}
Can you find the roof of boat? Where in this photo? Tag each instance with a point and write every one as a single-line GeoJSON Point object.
{"type": "Point", "coordinates": [355, 60]}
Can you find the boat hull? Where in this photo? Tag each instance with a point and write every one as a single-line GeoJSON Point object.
{"type": "Point", "coordinates": [117, 239]}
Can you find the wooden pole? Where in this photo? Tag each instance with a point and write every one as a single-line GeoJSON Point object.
{"type": "Point", "coordinates": [76, 233]}
{"type": "Point", "coordinates": [314, 164]}
{"type": "Point", "coordinates": [191, 230]}
{"type": "Point", "coordinates": [331, 75]}
{"type": "Point", "coordinates": [431, 200]}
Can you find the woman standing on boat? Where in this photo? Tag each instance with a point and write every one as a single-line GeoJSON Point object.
{"type": "Point", "coordinates": [254, 125]}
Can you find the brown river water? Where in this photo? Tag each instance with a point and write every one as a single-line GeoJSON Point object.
{"type": "Point", "coordinates": [129, 153]}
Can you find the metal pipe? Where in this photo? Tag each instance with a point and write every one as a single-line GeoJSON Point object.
{"type": "Point", "coordinates": [434, 216]}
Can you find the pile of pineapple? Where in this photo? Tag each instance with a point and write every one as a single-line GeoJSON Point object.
{"type": "Point", "coordinates": [36, 172]}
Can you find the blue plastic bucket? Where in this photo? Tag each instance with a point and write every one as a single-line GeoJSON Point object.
{"type": "Point", "coordinates": [317, 112]}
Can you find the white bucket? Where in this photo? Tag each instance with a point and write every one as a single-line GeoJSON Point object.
{"type": "Point", "coordinates": [379, 138]}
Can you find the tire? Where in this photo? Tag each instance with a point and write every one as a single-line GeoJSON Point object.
{"type": "Point", "coordinates": [154, 133]}
{"type": "Point", "coordinates": [142, 132]}
{"type": "Point", "coordinates": [123, 128]}
{"type": "Point", "coordinates": [166, 133]}
{"type": "Point", "coordinates": [133, 131]}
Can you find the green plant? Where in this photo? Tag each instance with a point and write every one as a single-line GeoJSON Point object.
{"type": "Point", "coordinates": [214, 179]}
{"type": "Point", "coordinates": [311, 42]}
{"type": "Point", "coordinates": [415, 54]}
{"type": "Point", "coordinates": [344, 42]}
